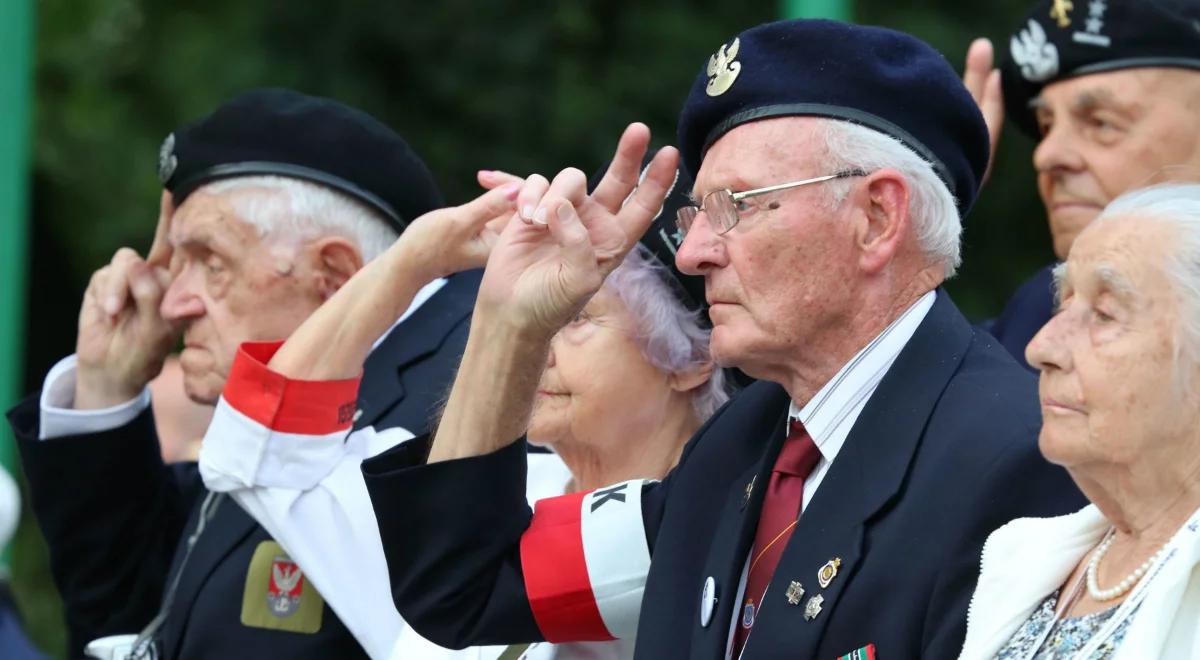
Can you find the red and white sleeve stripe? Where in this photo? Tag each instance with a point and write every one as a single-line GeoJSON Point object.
{"type": "Point", "coordinates": [269, 428]}
{"type": "Point", "coordinates": [585, 561]}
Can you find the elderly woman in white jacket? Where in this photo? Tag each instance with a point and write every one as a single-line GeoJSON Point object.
{"type": "Point", "coordinates": [1120, 368]}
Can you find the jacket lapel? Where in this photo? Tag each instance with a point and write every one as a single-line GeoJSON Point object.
{"type": "Point", "coordinates": [228, 528]}
{"type": "Point", "coordinates": [733, 537]}
{"type": "Point", "coordinates": [383, 384]}
{"type": "Point", "coordinates": [868, 472]}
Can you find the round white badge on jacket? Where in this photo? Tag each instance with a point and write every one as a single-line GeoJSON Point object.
{"type": "Point", "coordinates": [708, 601]}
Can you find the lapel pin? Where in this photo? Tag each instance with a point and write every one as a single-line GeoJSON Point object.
{"type": "Point", "coordinates": [794, 593]}
{"type": "Point", "coordinates": [828, 572]}
{"type": "Point", "coordinates": [749, 491]}
{"type": "Point", "coordinates": [813, 607]}
{"type": "Point", "coordinates": [708, 601]}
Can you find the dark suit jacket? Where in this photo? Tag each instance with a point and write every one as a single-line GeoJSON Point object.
{"type": "Point", "coordinates": [943, 453]}
{"type": "Point", "coordinates": [1025, 313]}
{"type": "Point", "coordinates": [117, 520]}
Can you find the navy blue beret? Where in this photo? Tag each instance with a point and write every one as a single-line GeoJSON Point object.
{"type": "Point", "coordinates": [884, 80]}
{"type": "Point", "coordinates": [663, 239]}
{"type": "Point", "coordinates": [1062, 39]}
{"type": "Point", "coordinates": [285, 133]}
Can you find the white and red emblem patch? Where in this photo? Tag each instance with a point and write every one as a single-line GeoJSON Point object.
{"type": "Point", "coordinates": [285, 587]}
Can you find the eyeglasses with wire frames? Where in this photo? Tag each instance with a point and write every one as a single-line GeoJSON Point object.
{"type": "Point", "coordinates": [721, 206]}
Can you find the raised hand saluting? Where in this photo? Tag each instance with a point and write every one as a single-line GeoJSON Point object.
{"type": "Point", "coordinates": [544, 269]}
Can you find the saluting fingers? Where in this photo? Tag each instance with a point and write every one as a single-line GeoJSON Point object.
{"type": "Point", "coordinates": [568, 231]}
{"type": "Point", "coordinates": [147, 291]}
{"type": "Point", "coordinates": [647, 200]}
{"type": "Point", "coordinates": [569, 184]}
{"type": "Point", "coordinates": [160, 249]}
{"type": "Point", "coordinates": [530, 197]}
{"type": "Point", "coordinates": [491, 179]}
{"type": "Point", "coordinates": [622, 175]}
{"type": "Point", "coordinates": [980, 56]}
{"type": "Point", "coordinates": [114, 293]}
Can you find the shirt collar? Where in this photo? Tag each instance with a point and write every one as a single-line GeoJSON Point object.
{"type": "Point", "coordinates": [857, 379]}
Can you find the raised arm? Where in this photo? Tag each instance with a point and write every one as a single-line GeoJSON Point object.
{"type": "Point", "coordinates": [333, 343]}
{"type": "Point", "coordinates": [542, 271]}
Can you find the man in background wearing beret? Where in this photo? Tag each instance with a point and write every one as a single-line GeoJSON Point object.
{"type": "Point", "coordinates": [270, 204]}
{"type": "Point", "coordinates": [835, 508]}
{"type": "Point", "coordinates": [1110, 89]}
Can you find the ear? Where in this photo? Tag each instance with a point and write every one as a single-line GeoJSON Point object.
{"type": "Point", "coordinates": [337, 259]}
{"type": "Point", "coordinates": [686, 381]}
{"type": "Point", "coordinates": [886, 224]}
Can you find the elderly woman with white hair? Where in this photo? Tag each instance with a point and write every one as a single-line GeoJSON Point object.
{"type": "Point", "coordinates": [624, 387]}
{"type": "Point", "coordinates": [1120, 364]}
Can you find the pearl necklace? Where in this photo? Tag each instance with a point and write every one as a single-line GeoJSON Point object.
{"type": "Point", "coordinates": [1123, 586]}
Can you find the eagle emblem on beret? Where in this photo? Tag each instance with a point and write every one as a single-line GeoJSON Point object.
{"type": "Point", "coordinates": [167, 162]}
{"type": "Point", "coordinates": [1034, 54]}
{"type": "Point", "coordinates": [723, 69]}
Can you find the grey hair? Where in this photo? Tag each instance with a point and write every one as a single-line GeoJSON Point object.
{"type": "Point", "coordinates": [303, 210]}
{"type": "Point", "coordinates": [1177, 205]}
{"type": "Point", "coordinates": [931, 206]}
{"type": "Point", "coordinates": [672, 338]}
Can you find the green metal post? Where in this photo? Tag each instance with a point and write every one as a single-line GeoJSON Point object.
{"type": "Point", "coordinates": [841, 10]}
{"type": "Point", "coordinates": [16, 82]}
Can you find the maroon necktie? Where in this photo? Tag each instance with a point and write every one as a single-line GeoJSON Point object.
{"type": "Point", "coordinates": [780, 510]}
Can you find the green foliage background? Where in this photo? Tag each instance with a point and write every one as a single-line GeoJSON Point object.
{"type": "Point", "coordinates": [470, 84]}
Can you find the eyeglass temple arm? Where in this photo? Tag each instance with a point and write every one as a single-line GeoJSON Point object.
{"type": "Point", "coordinates": [794, 184]}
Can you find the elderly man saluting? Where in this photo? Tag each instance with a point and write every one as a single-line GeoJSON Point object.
{"type": "Point", "coordinates": [271, 204]}
{"type": "Point", "coordinates": [837, 506]}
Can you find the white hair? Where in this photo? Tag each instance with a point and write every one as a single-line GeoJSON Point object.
{"type": "Point", "coordinates": [1177, 205]}
{"type": "Point", "coordinates": [299, 209]}
{"type": "Point", "coordinates": [673, 338]}
{"type": "Point", "coordinates": [931, 206]}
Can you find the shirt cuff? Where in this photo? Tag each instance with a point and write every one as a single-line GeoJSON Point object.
{"type": "Point", "coordinates": [269, 430]}
{"type": "Point", "coordinates": [59, 418]}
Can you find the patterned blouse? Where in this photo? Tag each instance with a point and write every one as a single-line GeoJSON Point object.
{"type": "Point", "coordinates": [1068, 636]}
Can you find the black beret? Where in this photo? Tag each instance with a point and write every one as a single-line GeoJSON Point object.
{"type": "Point", "coordinates": [884, 80]}
{"type": "Point", "coordinates": [285, 133]}
{"type": "Point", "coordinates": [663, 239]}
{"type": "Point", "coordinates": [1066, 38]}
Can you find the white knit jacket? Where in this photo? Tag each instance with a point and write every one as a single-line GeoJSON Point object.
{"type": "Point", "coordinates": [1026, 560]}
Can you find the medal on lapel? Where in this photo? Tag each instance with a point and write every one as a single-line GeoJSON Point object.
{"type": "Point", "coordinates": [794, 593]}
{"type": "Point", "coordinates": [829, 571]}
{"type": "Point", "coordinates": [813, 607]}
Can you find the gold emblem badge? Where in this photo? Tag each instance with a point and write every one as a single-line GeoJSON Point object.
{"type": "Point", "coordinates": [1059, 11]}
{"type": "Point", "coordinates": [277, 595]}
{"type": "Point", "coordinates": [828, 572]}
{"type": "Point", "coordinates": [794, 593]}
{"type": "Point", "coordinates": [722, 69]}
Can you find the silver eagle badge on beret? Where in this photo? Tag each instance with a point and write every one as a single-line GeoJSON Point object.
{"type": "Point", "coordinates": [723, 69]}
{"type": "Point", "coordinates": [1032, 51]}
{"type": "Point", "coordinates": [167, 162]}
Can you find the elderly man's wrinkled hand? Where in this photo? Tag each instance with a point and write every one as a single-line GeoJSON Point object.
{"type": "Point", "coordinates": [546, 267]}
{"type": "Point", "coordinates": [123, 339]}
